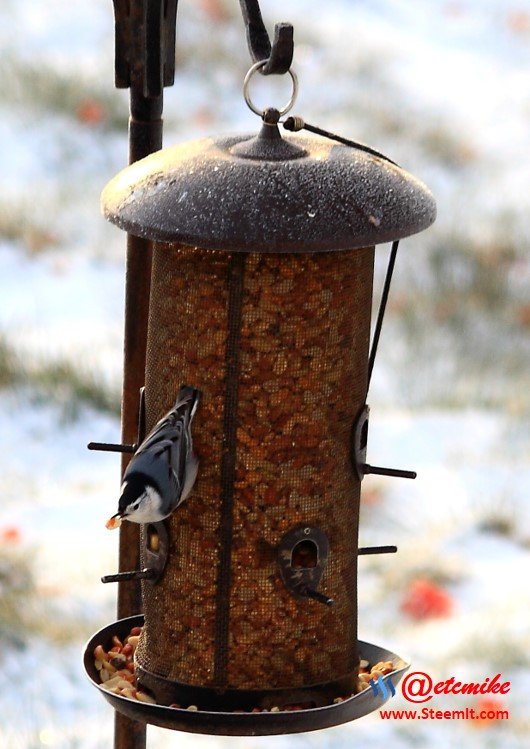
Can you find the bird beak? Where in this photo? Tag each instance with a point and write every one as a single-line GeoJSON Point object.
{"type": "Point", "coordinates": [114, 521]}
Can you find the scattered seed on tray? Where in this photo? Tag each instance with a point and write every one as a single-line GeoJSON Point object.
{"type": "Point", "coordinates": [117, 674]}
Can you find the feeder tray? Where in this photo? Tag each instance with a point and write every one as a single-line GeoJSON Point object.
{"type": "Point", "coordinates": [241, 723]}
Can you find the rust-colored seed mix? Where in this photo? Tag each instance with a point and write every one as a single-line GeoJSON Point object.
{"type": "Point", "coordinates": [300, 327]}
{"type": "Point", "coordinates": [117, 674]}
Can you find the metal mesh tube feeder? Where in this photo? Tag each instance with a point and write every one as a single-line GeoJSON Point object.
{"type": "Point", "coordinates": [261, 297]}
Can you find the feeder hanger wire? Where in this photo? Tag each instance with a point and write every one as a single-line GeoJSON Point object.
{"type": "Point", "coordinates": [294, 124]}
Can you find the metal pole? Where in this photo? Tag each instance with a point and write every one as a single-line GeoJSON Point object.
{"type": "Point", "coordinates": [145, 136]}
{"type": "Point", "coordinates": [145, 63]}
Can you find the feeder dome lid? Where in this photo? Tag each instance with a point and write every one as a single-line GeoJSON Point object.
{"type": "Point", "coordinates": [268, 194]}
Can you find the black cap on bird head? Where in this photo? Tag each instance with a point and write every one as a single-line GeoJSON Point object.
{"type": "Point", "coordinates": [133, 487]}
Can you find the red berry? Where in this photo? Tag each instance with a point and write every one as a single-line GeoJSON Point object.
{"type": "Point", "coordinates": [425, 599]}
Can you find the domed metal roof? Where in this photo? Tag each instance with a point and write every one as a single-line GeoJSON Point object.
{"type": "Point", "coordinates": [268, 194]}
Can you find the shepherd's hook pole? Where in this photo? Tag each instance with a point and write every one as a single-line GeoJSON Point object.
{"type": "Point", "coordinates": [144, 63]}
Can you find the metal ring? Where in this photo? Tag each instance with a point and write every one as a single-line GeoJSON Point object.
{"type": "Point", "coordinates": [246, 86]}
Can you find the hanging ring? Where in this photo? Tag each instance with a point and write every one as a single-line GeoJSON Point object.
{"type": "Point", "coordinates": [246, 87]}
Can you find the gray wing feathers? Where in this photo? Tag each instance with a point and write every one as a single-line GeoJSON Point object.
{"type": "Point", "coordinates": [171, 435]}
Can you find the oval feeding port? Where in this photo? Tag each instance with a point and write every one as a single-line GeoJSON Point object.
{"type": "Point", "coordinates": [155, 548]}
{"type": "Point", "coordinates": [304, 555]}
{"type": "Point", "coordinates": [153, 539]}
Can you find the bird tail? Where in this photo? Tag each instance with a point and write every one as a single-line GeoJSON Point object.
{"type": "Point", "coordinates": [189, 397]}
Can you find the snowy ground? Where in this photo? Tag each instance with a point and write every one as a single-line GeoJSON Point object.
{"type": "Point", "coordinates": [442, 87]}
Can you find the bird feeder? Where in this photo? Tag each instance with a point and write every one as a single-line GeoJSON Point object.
{"type": "Point", "coordinates": [261, 297]}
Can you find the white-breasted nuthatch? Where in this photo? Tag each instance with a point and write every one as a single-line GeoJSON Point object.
{"type": "Point", "coordinates": [163, 469]}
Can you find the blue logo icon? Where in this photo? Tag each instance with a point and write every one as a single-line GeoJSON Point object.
{"type": "Point", "coordinates": [380, 686]}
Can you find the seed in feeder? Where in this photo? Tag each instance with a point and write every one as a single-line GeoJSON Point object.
{"type": "Point", "coordinates": [133, 641]}
{"type": "Point", "coordinates": [153, 541]}
{"type": "Point", "coordinates": [192, 707]}
{"type": "Point", "coordinates": [143, 697]}
{"type": "Point", "coordinates": [275, 709]}
{"type": "Point", "coordinates": [99, 653]}
{"type": "Point", "coordinates": [117, 683]}
{"type": "Point", "coordinates": [113, 522]}
{"type": "Point", "coordinates": [118, 661]}
{"type": "Point", "coordinates": [107, 688]}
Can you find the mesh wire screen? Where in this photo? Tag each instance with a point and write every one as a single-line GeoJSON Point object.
{"type": "Point", "coordinates": [186, 345]}
{"type": "Point", "coordinates": [303, 336]}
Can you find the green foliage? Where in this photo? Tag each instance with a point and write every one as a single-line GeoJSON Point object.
{"type": "Point", "coordinates": [60, 381]}
{"type": "Point", "coordinates": [8, 365]}
{"type": "Point", "coordinates": [17, 591]}
{"type": "Point", "coordinates": [52, 89]}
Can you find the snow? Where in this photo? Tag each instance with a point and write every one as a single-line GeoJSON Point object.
{"type": "Point", "coordinates": [444, 88]}
{"type": "Point", "coordinates": [67, 306]}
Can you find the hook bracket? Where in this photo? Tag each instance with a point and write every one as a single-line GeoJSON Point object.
{"type": "Point", "coordinates": [278, 56]}
{"type": "Point", "coordinates": [145, 33]}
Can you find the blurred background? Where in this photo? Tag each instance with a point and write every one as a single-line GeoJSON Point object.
{"type": "Point", "coordinates": [444, 89]}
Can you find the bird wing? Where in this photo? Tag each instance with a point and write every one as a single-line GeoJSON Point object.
{"type": "Point", "coordinates": [171, 426]}
{"type": "Point", "coordinates": [167, 452]}
{"type": "Point", "coordinates": [166, 430]}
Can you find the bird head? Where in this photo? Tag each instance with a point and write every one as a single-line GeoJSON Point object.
{"type": "Point", "coordinates": [140, 502]}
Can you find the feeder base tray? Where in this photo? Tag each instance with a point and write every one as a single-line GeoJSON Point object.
{"type": "Point", "coordinates": [242, 723]}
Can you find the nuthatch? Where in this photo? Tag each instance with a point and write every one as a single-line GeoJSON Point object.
{"type": "Point", "coordinates": [163, 469]}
